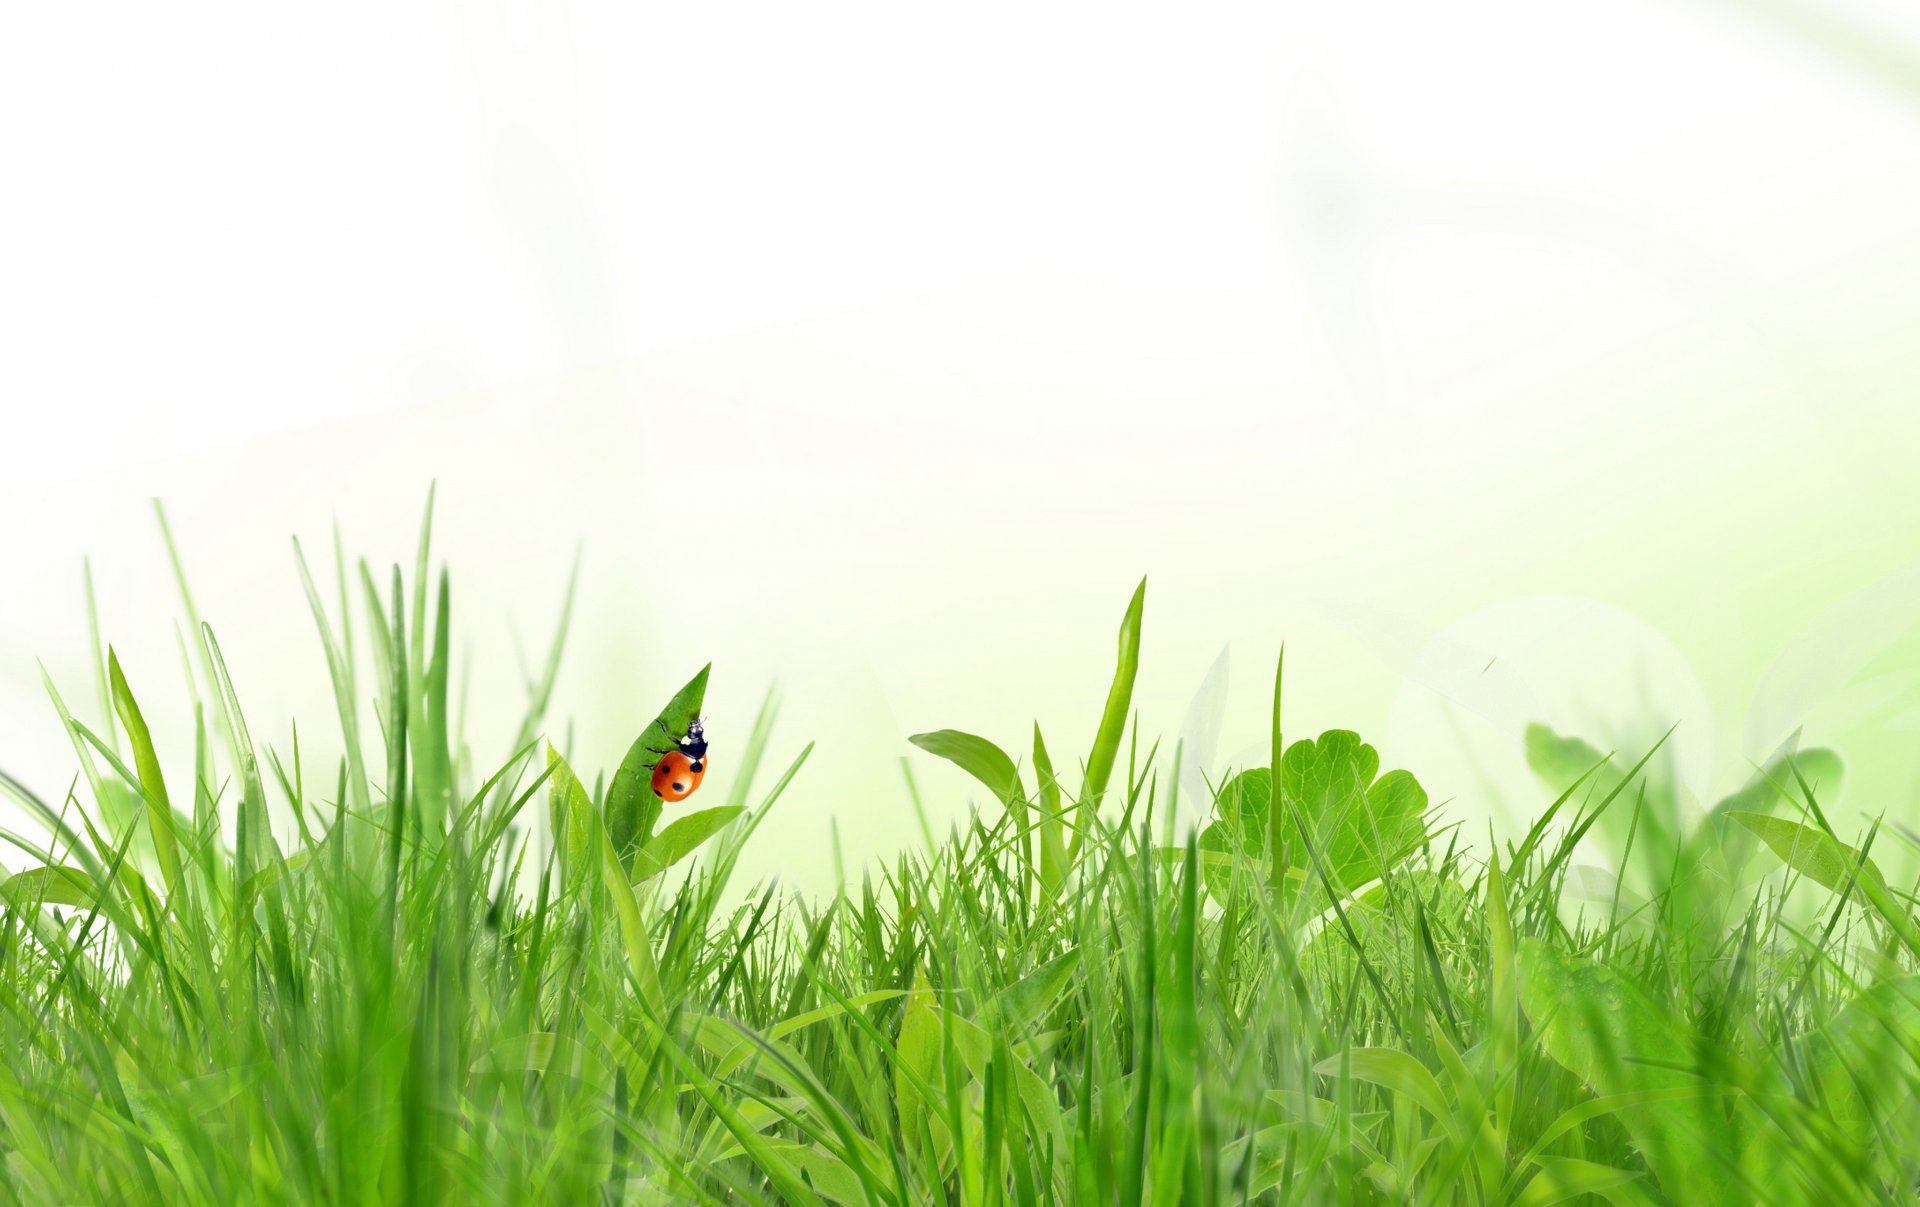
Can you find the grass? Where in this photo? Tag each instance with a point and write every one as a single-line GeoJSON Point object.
{"type": "Point", "coordinates": [459, 981]}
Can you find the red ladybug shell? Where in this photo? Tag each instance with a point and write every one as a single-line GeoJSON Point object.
{"type": "Point", "coordinates": [676, 776]}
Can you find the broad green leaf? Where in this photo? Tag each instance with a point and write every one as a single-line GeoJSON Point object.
{"type": "Point", "coordinates": [1393, 824]}
{"type": "Point", "coordinates": [1238, 835]}
{"type": "Point", "coordinates": [976, 1048]}
{"type": "Point", "coordinates": [1596, 1108]}
{"type": "Point", "coordinates": [1613, 1037]}
{"type": "Point", "coordinates": [1561, 1178]}
{"type": "Point", "coordinates": [1322, 783]}
{"type": "Point", "coordinates": [1559, 760]}
{"type": "Point", "coordinates": [681, 839]}
{"type": "Point", "coordinates": [918, 1046]}
{"type": "Point", "coordinates": [979, 758]}
{"type": "Point", "coordinates": [1820, 767]}
{"type": "Point", "coordinates": [632, 808]}
{"type": "Point", "coordinates": [1813, 853]}
{"type": "Point", "coordinates": [1395, 1071]}
{"type": "Point", "coordinates": [1718, 861]}
{"type": "Point", "coordinates": [1652, 821]}
{"type": "Point", "coordinates": [1864, 1060]}
{"type": "Point", "coordinates": [826, 1173]}
{"type": "Point", "coordinates": [758, 1115]}
{"type": "Point", "coordinates": [52, 885]}
{"type": "Point", "coordinates": [518, 1053]}
{"type": "Point", "coordinates": [1242, 806]}
{"type": "Point", "coordinates": [1824, 858]}
{"type": "Point", "coordinates": [1360, 826]}
{"type": "Point", "coordinates": [1024, 1003]}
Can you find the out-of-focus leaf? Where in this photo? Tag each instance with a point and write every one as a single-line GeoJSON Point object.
{"type": "Point", "coordinates": [826, 1173]}
{"type": "Point", "coordinates": [1878, 1031]}
{"type": "Point", "coordinates": [1820, 767]}
{"type": "Point", "coordinates": [1559, 760]}
{"type": "Point", "coordinates": [1813, 853]}
{"type": "Point", "coordinates": [919, 1046]}
{"type": "Point", "coordinates": [1563, 1178]}
{"type": "Point", "coordinates": [51, 885]}
{"type": "Point", "coordinates": [1396, 1071]}
{"type": "Point", "coordinates": [1611, 1035]}
{"type": "Point", "coordinates": [1648, 812]}
{"type": "Point", "coordinates": [1027, 1001]}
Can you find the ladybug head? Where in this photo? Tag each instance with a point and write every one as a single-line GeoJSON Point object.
{"type": "Point", "coordinates": [694, 744]}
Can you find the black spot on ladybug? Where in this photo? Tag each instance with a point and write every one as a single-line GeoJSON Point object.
{"type": "Point", "coordinates": [696, 768]}
{"type": "Point", "coordinates": [659, 794]}
{"type": "Point", "coordinates": [679, 787]}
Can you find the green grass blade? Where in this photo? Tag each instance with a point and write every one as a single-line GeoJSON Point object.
{"type": "Point", "coordinates": [1113, 719]}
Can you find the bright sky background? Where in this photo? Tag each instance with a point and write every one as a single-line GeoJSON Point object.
{"type": "Point", "coordinates": [1581, 335]}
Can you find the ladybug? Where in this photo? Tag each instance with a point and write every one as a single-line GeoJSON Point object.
{"type": "Point", "coordinates": [678, 772]}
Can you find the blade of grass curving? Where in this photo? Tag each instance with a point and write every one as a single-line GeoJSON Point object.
{"type": "Point", "coordinates": [146, 762]}
{"type": "Point", "coordinates": [1053, 843]}
{"type": "Point", "coordinates": [193, 618]}
{"type": "Point", "coordinates": [96, 650]}
{"type": "Point", "coordinates": [748, 766]}
{"type": "Point", "coordinates": [1113, 720]}
{"type": "Point", "coordinates": [107, 796]}
{"type": "Point", "coordinates": [340, 670]}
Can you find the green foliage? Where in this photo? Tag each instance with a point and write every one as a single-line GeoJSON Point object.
{"type": "Point", "coordinates": [49, 885]}
{"type": "Point", "coordinates": [1618, 1041]}
{"type": "Point", "coordinates": [1815, 854]}
{"type": "Point", "coordinates": [979, 758]}
{"type": "Point", "coordinates": [417, 988]}
{"type": "Point", "coordinates": [632, 809]}
{"type": "Point", "coordinates": [992, 766]}
{"type": "Point", "coordinates": [681, 838]}
{"type": "Point", "coordinates": [1342, 828]}
{"type": "Point", "coordinates": [1113, 718]}
{"type": "Point", "coordinates": [1647, 831]}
